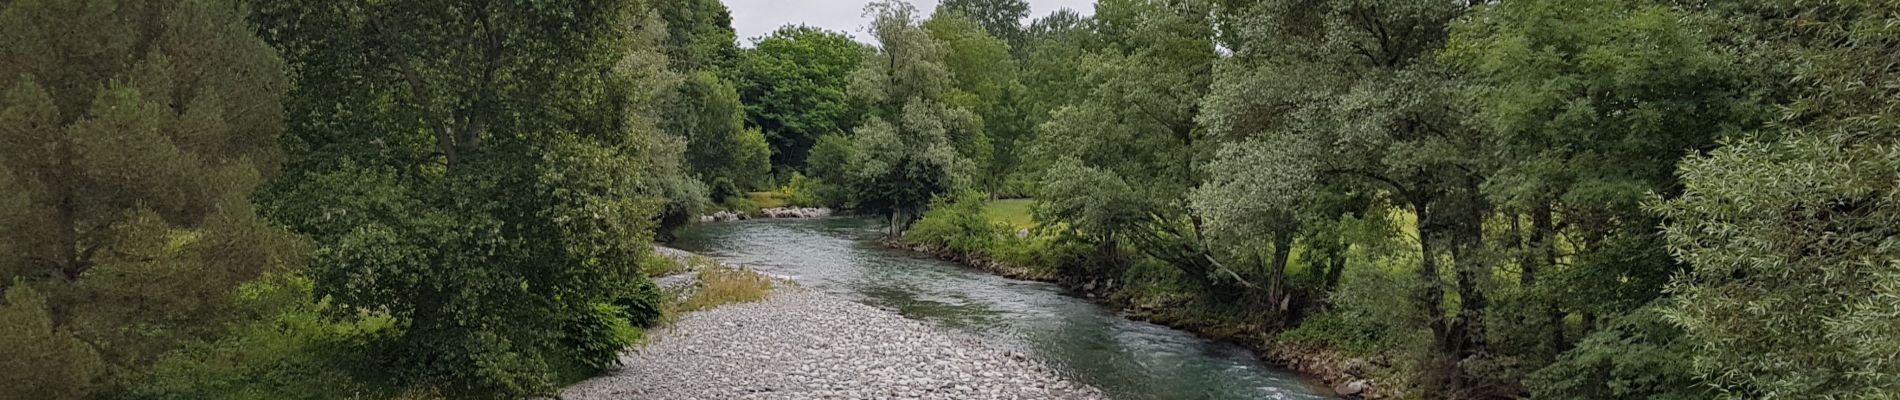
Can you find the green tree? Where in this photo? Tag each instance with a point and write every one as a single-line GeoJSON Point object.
{"type": "Point", "coordinates": [1589, 105]}
{"type": "Point", "coordinates": [1790, 230]}
{"type": "Point", "coordinates": [793, 84]}
{"type": "Point", "coordinates": [1138, 132]}
{"type": "Point", "coordinates": [132, 136]}
{"type": "Point", "coordinates": [488, 181]}
{"type": "Point", "coordinates": [984, 75]}
{"type": "Point", "coordinates": [1371, 112]}
{"type": "Point", "coordinates": [912, 145]}
{"type": "Point", "coordinates": [730, 158]}
{"type": "Point", "coordinates": [699, 34]}
{"type": "Point", "coordinates": [1002, 19]}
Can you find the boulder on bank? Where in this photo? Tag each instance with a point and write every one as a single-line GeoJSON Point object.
{"type": "Point", "coordinates": [776, 212]}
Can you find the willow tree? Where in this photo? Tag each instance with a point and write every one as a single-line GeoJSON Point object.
{"type": "Point", "coordinates": [1372, 108]}
{"type": "Point", "coordinates": [132, 135]}
{"type": "Point", "coordinates": [1791, 230]}
{"type": "Point", "coordinates": [907, 151]}
{"type": "Point", "coordinates": [1135, 133]}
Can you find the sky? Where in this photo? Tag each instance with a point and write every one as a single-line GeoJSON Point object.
{"type": "Point", "coordinates": [755, 18]}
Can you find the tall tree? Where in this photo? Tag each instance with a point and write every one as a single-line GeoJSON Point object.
{"type": "Point", "coordinates": [1139, 133]}
{"type": "Point", "coordinates": [793, 85]}
{"type": "Point", "coordinates": [1002, 19]}
{"type": "Point", "coordinates": [699, 34]}
{"type": "Point", "coordinates": [1371, 107]}
{"type": "Point", "coordinates": [1590, 104]}
{"type": "Point", "coordinates": [1791, 230]}
{"type": "Point", "coordinates": [906, 152]}
{"type": "Point", "coordinates": [730, 158]}
{"type": "Point", "coordinates": [132, 135]}
{"type": "Point", "coordinates": [487, 180]}
{"type": "Point", "coordinates": [985, 78]}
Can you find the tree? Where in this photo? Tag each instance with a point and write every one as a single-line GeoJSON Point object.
{"type": "Point", "coordinates": [1002, 19]}
{"type": "Point", "coordinates": [1790, 230]}
{"type": "Point", "coordinates": [730, 158]}
{"type": "Point", "coordinates": [699, 34]}
{"type": "Point", "coordinates": [907, 151]}
{"type": "Point", "coordinates": [486, 180]}
{"type": "Point", "coordinates": [1137, 131]}
{"type": "Point", "coordinates": [793, 84]}
{"type": "Point", "coordinates": [1371, 108]}
{"type": "Point", "coordinates": [1590, 104]}
{"type": "Point", "coordinates": [132, 136]}
{"type": "Point", "coordinates": [984, 76]}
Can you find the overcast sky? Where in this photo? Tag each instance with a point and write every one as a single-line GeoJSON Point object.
{"type": "Point", "coordinates": [755, 18]}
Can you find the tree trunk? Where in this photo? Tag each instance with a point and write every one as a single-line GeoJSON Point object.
{"type": "Point", "coordinates": [1543, 248]}
{"type": "Point", "coordinates": [1276, 270]}
{"type": "Point", "coordinates": [1430, 299]}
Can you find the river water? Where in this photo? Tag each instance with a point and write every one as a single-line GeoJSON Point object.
{"type": "Point", "coordinates": [1129, 360]}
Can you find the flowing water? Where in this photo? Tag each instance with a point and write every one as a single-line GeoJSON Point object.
{"type": "Point", "coordinates": [1128, 359]}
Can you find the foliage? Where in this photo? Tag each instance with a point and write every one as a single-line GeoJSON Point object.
{"type": "Point", "coordinates": [793, 84]}
{"type": "Point", "coordinates": [699, 35]}
{"type": "Point", "coordinates": [1641, 355]}
{"type": "Point", "coordinates": [1791, 295]}
{"type": "Point", "coordinates": [490, 195]}
{"type": "Point", "coordinates": [958, 225]}
{"type": "Point", "coordinates": [132, 136]}
{"type": "Point", "coordinates": [288, 345]}
{"type": "Point", "coordinates": [916, 143]}
{"type": "Point", "coordinates": [41, 362]}
{"type": "Point", "coordinates": [730, 158]}
{"type": "Point", "coordinates": [1001, 19]}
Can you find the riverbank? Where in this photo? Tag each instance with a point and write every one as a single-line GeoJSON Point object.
{"type": "Point", "coordinates": [798, 343]}
{"type": "Point", "coordinates": [1349, 377]}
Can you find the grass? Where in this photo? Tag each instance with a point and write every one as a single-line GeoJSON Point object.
{"type": "Point", "coordinates": [771, 199]}
{"type": "Point", "coordinates": [721, 286]}
{"type": "Point", "coordinates": [1014, 212]}
{"type": "Point", "coordinates": [656, 265]}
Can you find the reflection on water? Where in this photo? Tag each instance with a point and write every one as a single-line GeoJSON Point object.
{"type": "Point", "coordinates": [1127, 359]}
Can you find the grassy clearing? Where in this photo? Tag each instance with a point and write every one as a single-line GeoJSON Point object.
{"type": "Point", "coordinates": [719, 286]}
{"type": "Point", "coordinates": [771, 199]}
{"type": "Point", "coordinates": [1012, 212]}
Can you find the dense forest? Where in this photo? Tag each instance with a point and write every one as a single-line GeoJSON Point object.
{"type": "Point", "coordinates": [418, 199]}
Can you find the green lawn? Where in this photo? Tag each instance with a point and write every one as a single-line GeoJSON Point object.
{"type": "Point", "coordinates": [1014, 212]}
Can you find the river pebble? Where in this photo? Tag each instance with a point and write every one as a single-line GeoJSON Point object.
{"type": "Point", "coordinates": [802, 344]}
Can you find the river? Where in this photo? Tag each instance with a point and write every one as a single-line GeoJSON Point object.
{"type": "Point", "coordinates": [1129, 360]}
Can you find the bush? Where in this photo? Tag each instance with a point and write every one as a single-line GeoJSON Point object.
{"type": "Point", "coordinates": [806, 191]}
{"type": "Point", "coordinates": [288, 346]}
{"type": "Point", "coordinates": [958, 226]}
{"type": "Point", "coordinates": [1639, 356]}
{"type": "Point", "coordinates": [595, 335]}
{"type": "Point", "coordinates": [643, 305]}
{"type": "Point", "coordinates": [1366, 317]}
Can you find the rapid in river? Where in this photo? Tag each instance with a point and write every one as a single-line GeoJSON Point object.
{"type": "Point", "coordinates": [1129, 360]}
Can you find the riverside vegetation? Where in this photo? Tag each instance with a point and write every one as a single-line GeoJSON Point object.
{"type": "Point", "coordinates": [1568, 199]}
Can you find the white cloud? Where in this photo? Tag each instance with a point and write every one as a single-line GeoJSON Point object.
{"type": "Point", "coordinates": [755, 18]}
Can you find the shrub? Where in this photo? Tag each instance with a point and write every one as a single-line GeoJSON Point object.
{"type": "Point", "coordinates": [1639, 356]}
{"type": "Point", "coordinates": [643, 305]}
{"type": "Point", "coordinates": [288, 346]}
{"type": "Point", "coordinates": [959, 226]}
{"type": "Point", "coordinates": [595, 335]}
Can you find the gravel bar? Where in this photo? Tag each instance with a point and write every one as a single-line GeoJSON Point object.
{"type": "Point", "coordinates": [802, 344]}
